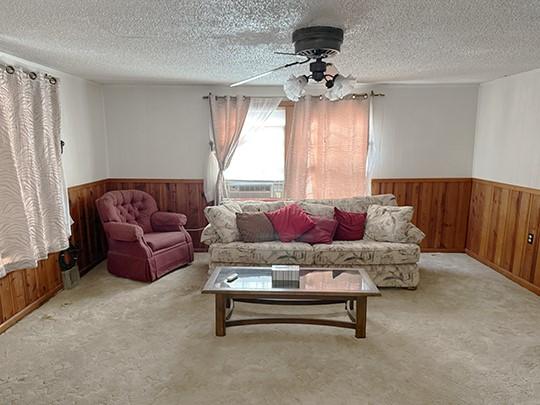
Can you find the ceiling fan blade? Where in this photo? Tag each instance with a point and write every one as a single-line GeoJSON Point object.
{"type": "Point", "coordinates": [286, 53]}
{"type": "Point", "coordinates": [268, 72]}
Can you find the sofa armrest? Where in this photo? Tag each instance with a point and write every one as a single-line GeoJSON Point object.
{"type": "Point", "coordinates": [415, 235]}
{"type": "Point", "coordinates": [209, 235]}
{"type": "Point", "coordinates": [167, 221]}
{"type": "Point", "coordinates": [123, 231]}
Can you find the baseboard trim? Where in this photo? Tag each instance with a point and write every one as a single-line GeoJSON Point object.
{"type": "Point", "coordinates": [524, 283]}
{"type": "Point", "coordinates": [438, 250]}
{"type": "Point", "coordinates": [31, 307]}
{"type": "Point", "coordinates": [90, 266]}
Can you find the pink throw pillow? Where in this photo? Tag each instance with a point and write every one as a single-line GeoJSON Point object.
{"type": "Point", "coordinates": [351, 225]}
{"type": "Point", "coordinates": [322, 232]}
{"type": "Point", "coordinates": [290, 222]}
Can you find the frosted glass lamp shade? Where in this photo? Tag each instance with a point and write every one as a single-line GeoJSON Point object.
{"type": "Point", "coordinates": [343, 85]}
{"type": "Point", "coordinates": [295, 87]}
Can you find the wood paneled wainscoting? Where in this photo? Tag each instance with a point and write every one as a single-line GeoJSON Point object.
{"type": "Point", "coordinates": [87, 232]}
{"type": "Point", "coordinates": [501, 218]}
{"type": "Point", "coordinates": [176, 195]}
{"type": "Point", "coordinates": [185, 196]}
{"type": "Point", "coordinates": [441, 208]}
{"type": "Point", "coordinates": [24, 290]}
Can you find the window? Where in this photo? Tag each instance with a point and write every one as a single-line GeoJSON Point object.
{"type": "Point", "coordinates": [258, 165]}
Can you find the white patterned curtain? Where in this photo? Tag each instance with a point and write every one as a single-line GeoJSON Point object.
{"type": "Point", "coordinates": [33, 211]}
{"type": "Point", "coordinates": [227, 116]}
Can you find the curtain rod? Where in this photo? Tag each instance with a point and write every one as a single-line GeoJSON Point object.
{"type": "Point", "coordinates": [354, 95]}
{"type": "Point", "coordinates": [10, 69]}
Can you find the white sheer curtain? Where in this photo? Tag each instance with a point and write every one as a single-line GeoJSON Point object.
{"type": "Point", "coordinates": [374, 144]}
{"type": "Point", "coordinates": [33, 220]}
{"type": "Point", "coordinates": [258, 111]}
{"type": "Point", "coordinates": [327, 149]}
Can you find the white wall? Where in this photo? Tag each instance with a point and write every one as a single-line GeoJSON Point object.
{"type": "Point", "coordinates": [507, 144]}
{"type": "Point", "coordinates": [162, 131]}
{"type": "Point", "coordinates": [425, 130]}
{"type": "Point", "coordinates": [83, 124]}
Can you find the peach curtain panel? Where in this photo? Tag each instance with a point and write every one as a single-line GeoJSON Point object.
{"type": "Point", "coordinates": [327, 149]}
{"type": "Point", "coordinates": [228, 115]}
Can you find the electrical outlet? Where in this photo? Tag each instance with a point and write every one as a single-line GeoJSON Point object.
{"type": "Point", "coordinates": [530, 238]}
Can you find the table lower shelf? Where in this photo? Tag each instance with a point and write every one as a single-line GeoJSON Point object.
{"type": "Point", "coordinates": [356, 309]}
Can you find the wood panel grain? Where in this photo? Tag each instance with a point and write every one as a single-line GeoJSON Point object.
{"type": "Point", "coordinates": [441, 208]}
{"type": "Point", "coordinates": [24, 290]}
{"type": "Point", "coordinates": [185, 196]}
{"type": "Point", "coordinates": [501, 216]}
{"type": "Point", "coordinates": [87, 231]}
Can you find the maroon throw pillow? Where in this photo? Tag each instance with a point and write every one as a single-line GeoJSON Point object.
{"type": "Point", "coordinates": [351, 225]}
{"type": "Point", "coordinates": [322, 232]}
{"type": "Point", "coordinates": [290, 222]}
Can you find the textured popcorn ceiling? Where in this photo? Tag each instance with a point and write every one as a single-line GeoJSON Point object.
{"type": "Point", "coordinates": [223, 41]}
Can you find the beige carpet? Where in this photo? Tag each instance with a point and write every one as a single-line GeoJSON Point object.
{"type": "Point", "coordinates": [466, 336]}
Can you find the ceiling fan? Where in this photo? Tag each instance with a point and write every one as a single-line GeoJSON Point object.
{"type": "Point", "coordinates": [315, 44]}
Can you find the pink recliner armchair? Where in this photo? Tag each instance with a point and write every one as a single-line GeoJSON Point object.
{"type": "Point", "coordinates": [144, 243]}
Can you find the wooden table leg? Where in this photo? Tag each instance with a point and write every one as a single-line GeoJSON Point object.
{"type": "Point", "coordinates": [361, 312]}
{"type": "Point", "coordinates": [220, 315]}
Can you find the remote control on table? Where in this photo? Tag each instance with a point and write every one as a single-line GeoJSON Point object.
{"type": "Point", "coordinates": [231, 278]}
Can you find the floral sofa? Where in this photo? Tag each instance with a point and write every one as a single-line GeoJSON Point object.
{"type": "Point", "coordinates": [389, 264]}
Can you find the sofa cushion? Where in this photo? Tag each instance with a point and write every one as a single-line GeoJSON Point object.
{"type": "Point", "coordinates": [290, 222]}
{"type": "Point", "coordinates": [209, 235]}
{"type": "Point", "coordinates": [162, 240]}
{"type": "Point", "coordinates": [351, 225]}
{"type": "Point", "coordinates": [388, 224]}
{"type": "Point", "coordinates": [274, 252]}
{"type": "Point", "coordinates": [262, 206]}
{"type": "Point", "coordinates": [322, 232]}
{"type": "Point", "coordinates": [363, 252]}
{"type": "Point", "coordinates": [255, 227]}
{"type": "Point", "coordinates": [319, 210]}
{"type": "Point", "coordinates": [357, 204]}
{"type": "Point", "coordinates": [414, 235]}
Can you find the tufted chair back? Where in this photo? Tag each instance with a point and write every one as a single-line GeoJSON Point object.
{"type": "Point", "coordinates": [128, 206]}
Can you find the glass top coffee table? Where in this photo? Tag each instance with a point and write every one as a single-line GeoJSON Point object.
{"type": "Point", "coordinates": [314, 286]}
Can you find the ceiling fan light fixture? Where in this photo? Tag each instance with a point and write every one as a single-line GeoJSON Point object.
{"type": "Point", "coordinates": [295, 87]}
{"type": "Point", "coordinates": [343, 85]}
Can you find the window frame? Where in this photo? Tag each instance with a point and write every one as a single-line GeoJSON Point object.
{"type": "Point", "coordinates": [288, 106]}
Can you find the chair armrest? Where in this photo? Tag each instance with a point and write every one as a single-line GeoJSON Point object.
{"type": "Point", "coordinates": [123, 231]}
{"type": "Point", "coordinates": [167, 221]}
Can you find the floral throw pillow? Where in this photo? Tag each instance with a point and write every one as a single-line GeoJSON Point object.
{"type": "Point", "coordinates": [223, 220]}
{"type": "Point", "coordinates": [387, 223]}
